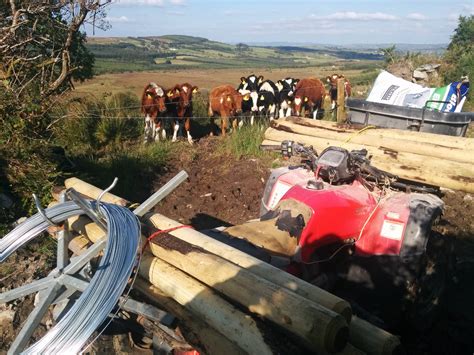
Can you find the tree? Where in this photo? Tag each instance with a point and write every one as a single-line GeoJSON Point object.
{"type": "Point", "coordinates": [464, 33]}
{"type": "Point", "coordinates": [41, 51]}
{"type": "Point", "coordinates": [460, 54]}
{"type": "Point", "coordinates": [41, 47]}
{"type": "Point", "coordinates": [241, 48]}
{"type": "Point", "coordinates": [389, 54]}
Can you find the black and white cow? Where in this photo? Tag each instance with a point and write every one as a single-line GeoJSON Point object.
{"type": "Point", "coordinates": [268, 99]}
{"type": "Point", "coordinates": [286, 87]}
{"type": "Point", "coordinates": [248, 88]}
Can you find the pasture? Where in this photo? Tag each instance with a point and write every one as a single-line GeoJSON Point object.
{"type": "Point", "coordinates": [206, 79]}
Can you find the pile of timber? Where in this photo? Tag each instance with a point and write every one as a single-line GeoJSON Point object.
{"type": "Point", "coordinates": [432, 159]}
{"type": "Point", "coordinates": [233, 302]}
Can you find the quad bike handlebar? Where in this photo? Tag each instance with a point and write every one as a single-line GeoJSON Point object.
{"type": "Point", "coordinates": [337, 165]}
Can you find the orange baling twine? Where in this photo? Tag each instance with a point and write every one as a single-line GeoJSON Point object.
{"type": "Point", "coordinates": [157, 233]}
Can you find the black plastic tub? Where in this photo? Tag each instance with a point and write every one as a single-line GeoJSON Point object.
{"type": "Point", "coordinates": [408, 118]}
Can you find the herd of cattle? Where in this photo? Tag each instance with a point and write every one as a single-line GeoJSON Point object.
{"type": "Point", "coordinates": [254, 97]}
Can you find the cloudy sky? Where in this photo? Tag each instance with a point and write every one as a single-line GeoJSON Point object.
{"type": "Point", "coordinates": [322, 21]}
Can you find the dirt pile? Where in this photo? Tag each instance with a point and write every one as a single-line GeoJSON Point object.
{"type": "Point", "coordinates": [220, 191]}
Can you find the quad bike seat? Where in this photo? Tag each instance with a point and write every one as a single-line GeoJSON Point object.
{"type": "Point", "coordinates": [278, 231]}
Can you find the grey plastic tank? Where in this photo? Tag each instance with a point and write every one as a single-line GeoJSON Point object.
{"type": "Point", "coordinates": [409, 118]}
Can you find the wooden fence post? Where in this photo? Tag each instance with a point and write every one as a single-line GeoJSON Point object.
{"type": "Point", "coordinates": [341, 116]}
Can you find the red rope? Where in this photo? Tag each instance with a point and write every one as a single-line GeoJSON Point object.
{"type": "Point", "coordinates": [157, 233]}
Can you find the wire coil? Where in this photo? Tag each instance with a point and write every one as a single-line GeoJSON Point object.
{"type": "Point", "coordinates": [72, 332]}
{"type": "Point", "coordinates": [35, 225]}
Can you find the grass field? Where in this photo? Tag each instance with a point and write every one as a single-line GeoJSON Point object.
{"type": "Point", "coordinates": [206, 79]}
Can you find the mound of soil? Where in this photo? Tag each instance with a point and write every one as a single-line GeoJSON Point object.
{"type": "Point", "coordinates": [221, 190]}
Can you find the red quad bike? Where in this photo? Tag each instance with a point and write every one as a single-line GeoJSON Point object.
{"type": "Point", "coordinates": [358, 231]}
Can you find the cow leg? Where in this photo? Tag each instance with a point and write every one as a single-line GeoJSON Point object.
{"type": "Point", "coordinates": [181, 128]}
{"type": "Point", "coordinates": [223, 125]}
{"type": "Point", "coordinates": [241, 123]}
{"type": "Point", "coordinates": [252, 119]}
{"type": "Point", "coordinates": [156, 131]}
{"type": "Point", "coordinates": [272, 110]}
{"type": "Point", "coordinates": [288, 112]}
{"type": "Point", "coordinates": [333, 105]}
{"type": "Point", "coordinates": [187, 127]}
{"type": "Point", "coordinates": [281, 112]}
{"type": "Point", "coordinates": [234, 124]}
{"type": "Point", "coordinates": [148, 127]}
{"type": "Point", "coordinates": [163, 131]}
{"type": "Point", "coordinates": [175, 131]}
{"type": "Point", "coordinates": [315, 113]}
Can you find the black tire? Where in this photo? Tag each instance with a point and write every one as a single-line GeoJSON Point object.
{"type": "Point", "coordinates": [426, 295]}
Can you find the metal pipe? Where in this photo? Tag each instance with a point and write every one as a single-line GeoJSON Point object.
{"type": "Point", "coordinates": [164, 191]}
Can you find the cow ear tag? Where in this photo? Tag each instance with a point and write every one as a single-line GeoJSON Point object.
{"type": "Point", "coordinates": [262, 97]}
{"type": "Point", "coordinates": [169, 94]}
{"type": "Point", "coordinates": [305, 99]}
{"type": "Point", "coordinates": [177, 91]}
{"type": "Point", "coordinates": [246, 98]}
{"type": "Point", "coordinates": [195, 90]}
{"type": "Point", "coordinates": [228, 98]}
{"type": "Point", "coordinates": [149, 96]}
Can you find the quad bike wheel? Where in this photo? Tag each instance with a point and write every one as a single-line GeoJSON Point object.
{"type": "Point", "coordinates": [426, 293]}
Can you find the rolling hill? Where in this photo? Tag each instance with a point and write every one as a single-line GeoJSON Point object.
{"type": "Point", "coordinates": [119, 54]}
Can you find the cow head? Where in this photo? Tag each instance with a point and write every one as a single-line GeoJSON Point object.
{"type": "Point", "coordinates": [173, 94]}
{"type": "Point", "coordinates": [153, 99]}
{"type": "Point", "coordinates": [249, 86]}
{"type": "Point", "coordinates": [286, 87]}
{"type": "Point", "coordinates": [291, 82]}
{"type": "Point", "coordinates": [250, 99]}
{"type": "Point", "coordinates": [237, 104]}
{"type": "Point", "coordinates": [243, 84]}
{"type": "Point", "coordinates": [299, 103]}
{"type": "Point", "coordinates": [186, 93]}
{"type": "Point", "coordinates": [332, 80]}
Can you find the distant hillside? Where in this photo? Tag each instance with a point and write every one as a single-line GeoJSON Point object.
{"type": "Point", "coordinates": [361, 47]}
{"type": "Point", "coordinates": [118, 54]}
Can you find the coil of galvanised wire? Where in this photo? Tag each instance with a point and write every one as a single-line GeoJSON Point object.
{"type": "Point", "coordinates": [35, 225]}
{"type": "Point", "coordinates": [70, 334]}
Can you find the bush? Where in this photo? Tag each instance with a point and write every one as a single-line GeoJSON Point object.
{"type": "Point", "coordinates": [92, 124]}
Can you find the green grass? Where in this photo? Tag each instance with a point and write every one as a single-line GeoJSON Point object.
{"type": "Point", "coordinates": [246, 141]}
{"type": "Point", "coordinates": [135, 168]}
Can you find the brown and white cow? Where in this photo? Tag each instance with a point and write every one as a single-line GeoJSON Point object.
{"type": "Point", "coordinates": [180, 106]}
{"type": "Point", "coordinates": [309, 97]}
{"type": "Point", "coordinates": [153, 103]}
{"type": "Point", "coordinates": [332, 80]}
{"type": "Point", "coordinates": [227, 102]}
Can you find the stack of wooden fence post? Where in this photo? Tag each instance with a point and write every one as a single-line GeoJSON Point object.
{"type": "Point", "coordinates": [256, 307]}
{"type": "Point", "coordinates": [431, 159]}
